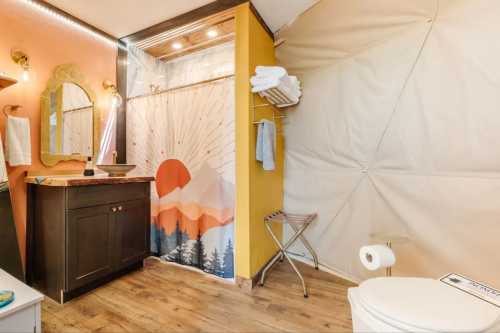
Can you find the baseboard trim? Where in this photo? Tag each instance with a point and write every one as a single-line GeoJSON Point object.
{"type": "Point", "coordinates": [322, 267]}
{"type": "Point", "coordinates": [246, 284]}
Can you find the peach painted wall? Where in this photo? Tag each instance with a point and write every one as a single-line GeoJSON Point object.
{"type": "Point", "coordinates": [49, 43]}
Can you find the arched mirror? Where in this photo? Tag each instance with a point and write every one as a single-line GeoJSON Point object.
{"type": "Point", "coordinates": [70, 119]}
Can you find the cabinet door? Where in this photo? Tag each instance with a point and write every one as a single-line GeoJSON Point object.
{"type": "Point", "coordinates": [132, 221]}
{"type": "Point", "coordinates": [89, 244]}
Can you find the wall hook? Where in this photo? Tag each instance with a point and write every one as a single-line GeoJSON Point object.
{"type": "Point", "coordinates": [9, 107]}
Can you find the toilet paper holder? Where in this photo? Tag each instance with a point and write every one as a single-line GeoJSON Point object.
{"type": "Point", "coordinates": [388, 270]}
{"type": "Point", "coordinates": [389, 240]}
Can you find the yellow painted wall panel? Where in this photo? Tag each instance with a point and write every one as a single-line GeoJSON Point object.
{"type": "Point", "coordinates": [259, 192]}
{"type": "Point", "coordinates": [242, 227]}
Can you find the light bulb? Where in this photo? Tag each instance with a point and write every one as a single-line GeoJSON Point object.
{"type": "Point", "coordinates": [177, 46]}
{"type": "Point", "coordinates": [212, 33]}
{"type": "Point", "coordinates": [26, 75]}
{"type": "Point", "coordinates": [116, 101]}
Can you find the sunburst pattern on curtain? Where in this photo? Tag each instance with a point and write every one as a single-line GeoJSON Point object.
{"type": "Point", "coordinates": [186, 137]}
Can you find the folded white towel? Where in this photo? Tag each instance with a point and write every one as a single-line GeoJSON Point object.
{"type": "Point", "coordinates": [274, 83]}
{"type": "Point", "coordinates": [278, 98]}
{"type": "Point", "coordinates": [295, 81]}
{"type": "Point", "coordinates": [291, 81]}
{"type": "Point", "coordinates": [3, 168]}
{"type": "Point", "coordinates": [289, 92]}
{"type": "Point", "coordinates": [268, 84]}
{"type": "Point", "coordinates": [275, 71]}
{"type": "Point", "coordinates": [266, 144]}
{"type": "Point", "coordinates": [259, 80]}
{"type": "Point", "coordinates": [18, 150]}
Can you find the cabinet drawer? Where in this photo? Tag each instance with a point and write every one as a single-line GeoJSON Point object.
{"type": "Point", "coordinates": [88, 196]}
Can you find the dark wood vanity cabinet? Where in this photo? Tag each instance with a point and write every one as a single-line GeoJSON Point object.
{"type": "Point", "coordinates": [83, 236]}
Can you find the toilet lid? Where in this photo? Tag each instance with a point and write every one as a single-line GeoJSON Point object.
{"type": "Point", "coordinates": [427, 304]}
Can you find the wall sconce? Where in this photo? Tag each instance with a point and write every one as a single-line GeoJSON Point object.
{"type": "Point", "coordinates": [22, 60]}
{"type": "Point", "coordinates": [116, 99]}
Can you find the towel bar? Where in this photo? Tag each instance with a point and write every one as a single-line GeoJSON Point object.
{"type": "Point", "coordinates": [276, 112]}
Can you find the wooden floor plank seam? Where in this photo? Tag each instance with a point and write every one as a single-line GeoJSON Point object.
{"type": "Point", "coordinates": [168, 298]}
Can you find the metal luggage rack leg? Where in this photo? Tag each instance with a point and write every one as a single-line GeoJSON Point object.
{"type": "Point", "coordinates": [299, 224]}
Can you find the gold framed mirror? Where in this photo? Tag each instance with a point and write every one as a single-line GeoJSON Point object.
{"type": "Point", "coordinates": [70, 119]}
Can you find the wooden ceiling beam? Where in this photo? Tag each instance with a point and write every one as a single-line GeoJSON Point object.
{"type": "Point", "coordinates": [183, 19]}
{"type": "Point", "coordinates": [193, 39]}
{"type": "Point", "coordinates": [197, 47]}
{"type": "Point", "coordinates": [191, 28]}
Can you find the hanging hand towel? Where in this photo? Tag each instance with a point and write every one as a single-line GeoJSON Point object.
{"type": "Point", "coordinates": [18, 150]}
{"type": "Point", "coordinates": [266, 144]}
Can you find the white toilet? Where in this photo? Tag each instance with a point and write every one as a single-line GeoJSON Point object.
{"type": "Point", "coordinates": [419, 305]}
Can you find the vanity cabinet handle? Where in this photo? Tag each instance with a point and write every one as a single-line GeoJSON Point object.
{"type": "Point", "coordinates": [116, 209]}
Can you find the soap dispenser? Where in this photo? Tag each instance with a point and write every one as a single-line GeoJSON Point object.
{"type": "Point", "coordinates": [89, 168]}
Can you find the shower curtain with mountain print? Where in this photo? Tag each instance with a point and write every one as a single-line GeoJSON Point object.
{"type": "Point", "coordinates": [185, 138]}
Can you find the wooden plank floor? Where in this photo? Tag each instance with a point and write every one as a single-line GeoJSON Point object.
{"type": "Point", "coordinates": [166, 298]}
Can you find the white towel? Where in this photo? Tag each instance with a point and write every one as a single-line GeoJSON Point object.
{"type": "Point", "coordinates": [266, 144]}
{"type": "Point", "coordinates": [292, 96]}
{"type": "Point", "coordinates": [275, 71]}
{"type": "Point", "coordinates": [295, 81]}
{"type": "Point", "coordinates": [258, 80]}
{"type": "Point", "coordinates": [289, 85]}
{"type": "Point", "coordinates": [3, 168]}
{"type": "Point", "coordinates": [268, 84]}
{"type": "Point", "coordinates": [18, 149]}
{"type": "Point", "coordinates": [290, 81]}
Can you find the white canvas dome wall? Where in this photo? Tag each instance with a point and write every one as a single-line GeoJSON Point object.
{"type": "Point", "coordinates": [398, 131]}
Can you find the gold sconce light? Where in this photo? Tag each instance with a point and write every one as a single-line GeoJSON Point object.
{"type": "Point", "coordinates": [22, 59]}
{"type": "Point", "coordinates": [116, 99]}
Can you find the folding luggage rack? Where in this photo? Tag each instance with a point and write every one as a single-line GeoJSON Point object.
{"type": "Point", "coordinates": [299, 224]}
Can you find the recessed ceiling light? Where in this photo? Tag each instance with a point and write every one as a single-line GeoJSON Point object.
{"type": "Point", "coordinates": [177, 45]}
{"type": "Point", "coordinates": [212, 33]}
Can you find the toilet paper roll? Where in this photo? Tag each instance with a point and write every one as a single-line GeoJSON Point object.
{"type": "Point", "coordinates": [374, 257]}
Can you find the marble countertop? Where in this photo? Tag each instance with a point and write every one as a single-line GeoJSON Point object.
{"type": "Point", "coordinates": [80, 180]}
